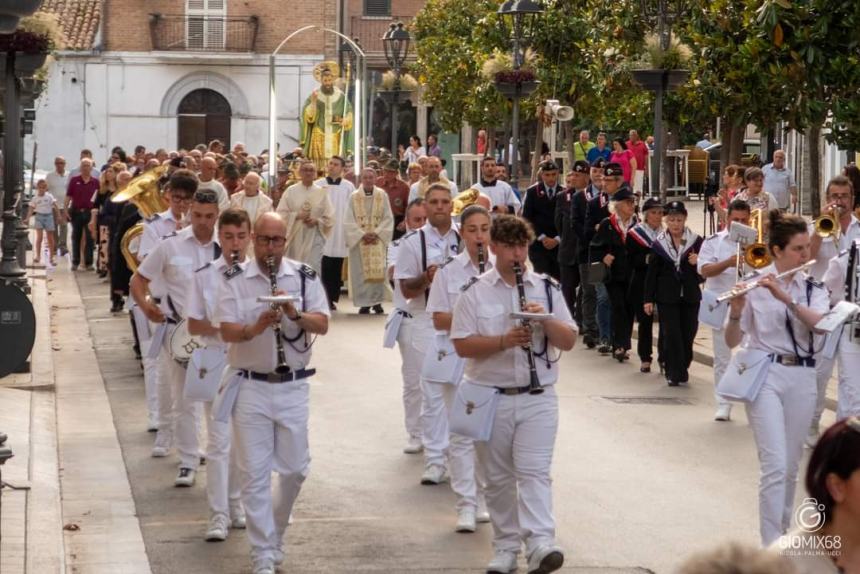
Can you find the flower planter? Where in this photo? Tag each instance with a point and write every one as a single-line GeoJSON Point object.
{"type": "Point", "coordinates": [523, 89]}
{"type": "Point", "coordinates": [653, 80]}
{"type": "Point", "coordinates": [27, 64]}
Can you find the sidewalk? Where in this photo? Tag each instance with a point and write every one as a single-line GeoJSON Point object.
{"type": "Point", "coordinates": [79, 515]}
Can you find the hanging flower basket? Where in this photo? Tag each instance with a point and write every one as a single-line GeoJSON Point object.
{"type": "Point", "coordinates": [653, 80]}
{"type": "Point", "coordinates": [28, 64]}
{"type": "Point", "coordinates": [523, 89]}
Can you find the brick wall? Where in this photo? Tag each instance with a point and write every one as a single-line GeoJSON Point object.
{"type": "Point", "coordinates": [127, 23]}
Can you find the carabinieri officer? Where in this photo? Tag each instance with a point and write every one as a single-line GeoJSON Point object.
{"type": "Point", "coordinates": [519, 488]}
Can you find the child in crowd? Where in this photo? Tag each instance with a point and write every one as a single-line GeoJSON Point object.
{"type": "Point", "coordinates": [44, 205]}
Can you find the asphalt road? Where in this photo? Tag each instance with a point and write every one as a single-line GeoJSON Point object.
{"type": "Point", "coordinates": [642, 474]}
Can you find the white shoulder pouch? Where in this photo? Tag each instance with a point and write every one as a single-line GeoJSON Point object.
{"type": "Point", "coordinates": [441, 362]}
{"type": "Point", "coordinates": [473, 411]}
{"type": "Point", "coordinates": [745, 375]}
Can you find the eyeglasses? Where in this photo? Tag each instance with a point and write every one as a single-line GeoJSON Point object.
{"type": "Point", "coordinates": [273, 240]}
{"type": "Point", "coordinates": [206, 196]}
{"type": "Point", "coordinates": [180, 198]}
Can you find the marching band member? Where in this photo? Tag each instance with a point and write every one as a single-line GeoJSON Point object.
{"type": "Point", "coordinates": [223, 486]}
{"type": "Point", "coordinates": [173, 261]}
{"type": "Point", "coordinates": [268, 397]}
{"type": "Point", "coordinates": [639, 241]}
{"type": "Point", "coordinates": [418, 258]}
{"type": "Point", "coordinates": [609, 246]}
{"type": "Point", "coordinates": [840, 201]}
{"type": "Point", "coordinates": [718, 264]}
{"type": "Point", "coordinates": [178, 192]}
{"type": "Point", "coordinates": [672, 283]}
{"type": "Point", "coordinates": [400, 320]}
{"type": "Point", "coordinates": [517, 456]}
{"type": "Point", "coordinates": [502, 197]}
{"type": "Point", "coordinates": [778, 319]}
{"type": "Point", "coordinates": [447, 286]}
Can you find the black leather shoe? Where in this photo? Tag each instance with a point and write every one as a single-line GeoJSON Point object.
{"type": "Point", "coordinates": [378, 309]}
{"type": "Point", "coordinates": [364, 311]}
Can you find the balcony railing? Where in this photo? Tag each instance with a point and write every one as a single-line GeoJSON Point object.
{"type": "Point", "coordinates": [369, 31]}
{"type": "Point", "coordinates": [190, 33]}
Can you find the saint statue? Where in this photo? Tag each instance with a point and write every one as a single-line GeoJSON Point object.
{"type": "Point", "coordinates": [326, 122]}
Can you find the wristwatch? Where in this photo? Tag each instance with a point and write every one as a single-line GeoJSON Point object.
{"type": "Point", "coordinates": [792, 306]}
{"type": "Point", "coordinates": [298, 316]}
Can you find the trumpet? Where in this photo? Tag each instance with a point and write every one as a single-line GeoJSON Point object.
{"type": "Point", "coordinates": [272, 266]}
{"type": "Point", "coordinates": [737, 291]}
{"type": "Point", "coordinates": [534, 382]}
{"type": "Point", "coordinates": [481, 263]}
{"type": "Point", "coordinates": [756, 255]}
{"type": "Point", "coordinates": [827, 224]}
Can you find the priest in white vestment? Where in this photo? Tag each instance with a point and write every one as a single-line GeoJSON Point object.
{"type": "Point", "coordinates": [309, 215]}
{"type": "Point", "coordinates": [369, 225]}
{"type": "Point", "coordinates": [339, 191]}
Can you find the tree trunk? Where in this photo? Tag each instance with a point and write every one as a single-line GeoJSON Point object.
{"type": "Point", "coordinates": [812, 180]}
{"type": "Point", "coordinates": [736, 144]}
{"type": "Point", "coordinates": [724, 149]}
{"type": "Point", "coordinates": [538, 148]}
{"type": "Point", "coordinates": [569, 142]}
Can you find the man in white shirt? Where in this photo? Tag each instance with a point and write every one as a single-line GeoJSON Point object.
{"type": "Point", "coordinates": [58, 182]}
{"type": "Point", "coordinates": [334, 251]}
{"type": "Point", "coordinates": [208, 170]}
{"type": "Point", "coordinates": [718, 265]}
{"type": "Point", "coordinates": [502, 197]}
{"type": "Point", "coordinates": [433, 167]}
{"type": "Point", "coordinates": [250, 198]}
{"type": "Point", "coordinates": [779, 182]}
{"type": "Point", "coordinates": [174, 261]}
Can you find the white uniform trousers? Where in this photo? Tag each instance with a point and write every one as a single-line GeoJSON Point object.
{"type": "Point", "coordinates": [151, 367]}
{"type": "Point", "coordinates": [780, 417]}
{"type": "Point", "coordinates": [270, 421]}
{"type": "Point", "coordinates": [413, 343]}
{"type": "Point", "coordinates": [516, 463]}
{"type": "Point", "coordinates": [823, 373]}
{"type": "Point", "coordinates": [183, 417]}
{"type": "Point", "coordinates": [722, 357]}
{"type": "Point", "coordinates": [848, 392]}
{"type": "Point", "coordinates": [223, 478]}
{"type": "Point", "coordinates": [164, 396]}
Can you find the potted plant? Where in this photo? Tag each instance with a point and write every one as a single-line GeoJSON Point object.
{"type": "Point", "coordinates": [499, 69]}
{"type": "Point", "coordinates": [35, 38]}
{"type": "Point", "coordinates": [659, 68]}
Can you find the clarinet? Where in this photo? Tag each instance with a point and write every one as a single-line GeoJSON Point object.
{"type": "Point", "coordinates": [534, 382]}
{"type": "Point", "coordinates": [282, 366]}
{"type": "Point", "coordinates": [480, 257]}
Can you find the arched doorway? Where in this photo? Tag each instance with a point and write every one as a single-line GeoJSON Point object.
{"type": "Point", "coordinates": [204, 115]}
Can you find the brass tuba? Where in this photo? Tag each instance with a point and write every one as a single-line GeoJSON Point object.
{"type": "Point", "coordinates": [144, 193]}
{"type": "Point", "coordinates": [757, 255]}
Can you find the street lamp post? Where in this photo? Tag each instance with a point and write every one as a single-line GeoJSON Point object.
{"type": "Point", "coordinates": [519, 12]}
{"type": "Point", "coordinates": [395, 42]}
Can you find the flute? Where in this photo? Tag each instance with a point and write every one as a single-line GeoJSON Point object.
{"type": "Point", "coordinates": [738, 291]}
{"type": "Point", "coordinates": [282, 366]}
{"type": "Point", "coordinates": [534, 382]}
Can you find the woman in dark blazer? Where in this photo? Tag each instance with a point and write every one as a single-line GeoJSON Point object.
{"type": "Point", "coordinates": [609, 246]}
{"type": "Point", "coordinates": [672, 284]}
{"type": "Point", "coordinates": [639, 241]}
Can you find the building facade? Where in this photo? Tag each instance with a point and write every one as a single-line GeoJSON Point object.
{"type": "Point", "coordinates": [175, 73]}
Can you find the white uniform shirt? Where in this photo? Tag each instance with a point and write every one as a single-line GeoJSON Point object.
{"type": "Point", "coordinates": [500, 194]}
{"type": "Point", "coordinates": [830, 248]}
{"type": "Point", "coordinates": [203, 298]}
{"type": "Point", "coordinates": [450, 280]}
{"type": "Point", "coordinates": [218, 188]}
{"type": "Point", "coordinates": [174, 260]}
{"type": "Point", "coordinates": [408, 264]}
{"type": "Point", "coordinates": [716, 248]}
{"type": "Point", "coordinates": [834, 278]}
{"type": "Point", "coordinates": [57, 186]}
{"type": "Point", "coordinates": [484, 309]}
{"type": "Point", "coordinates": [763, 319]}
{"type": "Point", "coordinates": [398, 298]}
{"type": "Point", "coordinates": [237, 303]}
{"type": "Point", "coordinates": [154, 231]}
{"type": "Point", "coordinates": [339, 192]}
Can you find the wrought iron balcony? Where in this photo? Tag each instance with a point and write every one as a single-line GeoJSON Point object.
{"type": "Point", "coordinates": [188, 33]}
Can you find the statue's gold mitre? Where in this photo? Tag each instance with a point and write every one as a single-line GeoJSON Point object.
{"type": "Point", "coordinates": [328, 66]}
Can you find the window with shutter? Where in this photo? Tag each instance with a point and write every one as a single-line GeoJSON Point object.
{"type": "Point", "coordinates": [205, 24]}
{"type": "Point", "coordinates": [377, 7]}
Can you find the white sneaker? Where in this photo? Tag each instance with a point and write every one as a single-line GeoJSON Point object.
{"type": "Point", "coordinates": [218, 528]}
{"type": "Point", "coordinates": [185, 477]}
{"type": "Point", "coordinates": [278, 556]}
{"type": "Point", "coordinates": [264, 567]}
{"type": "Point", "coordinates": [413, 446]}
{"type": "Point", "coordinates": [724, 413]}
{"type": "Point", "coordinates": [466, 520]}
{"type": "Point", "coordinates": [482, 515]}
{"type": "Point", "coordinates": [545, 559]}
{"type": "Point", "coordinates": [152, 424]}
{"type": "Point", "coordinates": [237, 516]}
{"type": "Point", "coordinates": [160, 451]}
{"type": "Point", "coordinates": [433, 474]}
{"type": "Point", "coordinates": [503, 562]}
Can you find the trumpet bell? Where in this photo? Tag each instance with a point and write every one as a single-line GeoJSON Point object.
{"type": "Point", "coordinates": [826, 226]}
{"type": "Point", "coordinates": [757, 256]}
